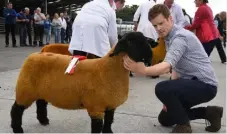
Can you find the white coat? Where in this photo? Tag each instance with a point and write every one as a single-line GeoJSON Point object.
{"type": "Point", "coordinates": [94, 29]}
{"type": "Point", "coordinates": [63, 23]}
{"type": "Point", "coordinates": [145, 25]}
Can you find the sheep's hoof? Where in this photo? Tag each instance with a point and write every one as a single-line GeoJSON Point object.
{"type": "Point", "coordinates": [107, 131]}
{"type": "Point", "coordinates": [131, 75]}
{"type": "Point", "coordinates": [44, 122]}
{"type": "Point", "coordinates": [18, 130]}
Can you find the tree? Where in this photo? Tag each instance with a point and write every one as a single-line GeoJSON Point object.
{"type": "Point", "coordinates": [127, 13]}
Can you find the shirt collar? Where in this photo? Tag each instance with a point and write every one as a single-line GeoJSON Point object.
{"type": "Point", "coordinates": [171, 33]}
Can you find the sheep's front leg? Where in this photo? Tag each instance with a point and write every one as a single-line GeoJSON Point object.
{"type": "Point", "coordinates": [108, 120]}
{"type": "Point", "coordinates": [96, 125]}
{"type": "Point", "coordinates": [96, 121]}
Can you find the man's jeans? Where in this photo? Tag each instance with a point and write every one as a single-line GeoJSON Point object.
{"type": "Point", "coordinates": [23, 34]}
{"type": "Point", "coordinates": [48, 35]}
{"type": "Point", "coordinates": [63, 34]}
{"type": "Point", "coordinates": [179, 96]}
{"type": "Point", "coordinates": [57, 35]}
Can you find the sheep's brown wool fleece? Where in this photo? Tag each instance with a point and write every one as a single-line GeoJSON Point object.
{"type": "Point", "coordinates": [159, 52]}
{"type": "Point", "coordinates": [57, 48]}
{"type": "Point", "coordinates": [96, 84]}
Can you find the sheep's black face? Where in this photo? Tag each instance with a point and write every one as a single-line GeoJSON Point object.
{"type": "Point", "coordinates": [137, 46]}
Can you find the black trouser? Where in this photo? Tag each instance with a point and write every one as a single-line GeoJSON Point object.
{"type": "Point", "coordinates": [179, 96]}
{"type": "Point", "coordinates": [10, 28]}
{"type": "Point", "coordinates": [39, 32]}
{"type": "Point", "coordinates": [88, 55]}
{"type": "Point", "coordinates": [29, 33]}
{"type": "Point", "coordinates": [210, 46]}
{"type": "Point", "coordinates": [224, 40]}
{"type": "Point", "coordinates": [22, 34]}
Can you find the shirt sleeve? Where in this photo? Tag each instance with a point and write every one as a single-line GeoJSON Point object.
{"type": "Point", "coordinates": [112, 29]}
{"type": "Point", "coordinates": [137, 14]}
{"type": "Point", "coordinates": [176, 51]}
{"type": "Point", "coordinates": [197, 20]}
{"type": "Point", "coordinates": [180, 17]}
{"type": "Point", "coordinates": [5, 13]}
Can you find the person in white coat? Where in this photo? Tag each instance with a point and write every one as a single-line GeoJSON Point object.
{"type": "Point", "coordinates": [176, 13]}
{"type": "Point", "coordinates": [141, 22]}
{"type": "Point", "coordinates": [94, 29]}
{"type": "Point", "coordinates": [63, 28]}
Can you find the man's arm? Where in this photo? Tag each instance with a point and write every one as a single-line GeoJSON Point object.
{"type": "Point", "coordinates": [173, 55]}
{"type": "Point", "coordinates": [158, 69]}
{"type": "Point", "coordinates": [197, 20]}
{"type": "Point", "coordinates": [5, 13]}
{"type": "Point", "coordinates": [112, 30]}
{"type": "Point", "coordinates": [14, 13]}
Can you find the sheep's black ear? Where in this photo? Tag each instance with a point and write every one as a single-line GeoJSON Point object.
{"type": "Point", "coordinates": [152, 42]}
{"type": "Point", "coordinates": [121, 46]}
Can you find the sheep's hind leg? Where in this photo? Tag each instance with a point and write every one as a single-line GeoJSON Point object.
{"type": "Point", "coordinates": [16, 117]}
{"type": "Point", "coordinates": [42, 112]}
{"type": "Point", "coordinates": [108, 120]}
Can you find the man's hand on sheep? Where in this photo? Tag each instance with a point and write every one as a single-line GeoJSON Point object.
{"type": "Point", "coordinates": [140, 68]}
{"type": "Point", "coordinates": [136, 67]}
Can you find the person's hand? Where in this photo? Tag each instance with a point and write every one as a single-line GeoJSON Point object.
{"type": "Point", "coordinates": [135, 27]}
{"type": "Point", "coordinates": [136, 67]}
{"type": "Point", "coordinates": [221, 38]}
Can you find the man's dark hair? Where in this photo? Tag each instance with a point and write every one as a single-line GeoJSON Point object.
{"type": "Point", "coordinates": [9, 3]}
{"type": "Point", "coordinates": [158, 9]}
{"type": "Point", "coordinates": [121, 1]}
{"type": "Point", "coordinates": [205, 1]}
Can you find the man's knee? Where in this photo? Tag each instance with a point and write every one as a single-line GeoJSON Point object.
{"type": "Point", "coordinates": [160, 89]}
{"type": "Point", "coordinates": [164, 119]}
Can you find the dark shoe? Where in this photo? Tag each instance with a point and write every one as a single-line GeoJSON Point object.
{"type": "Point", "coordinates": [7, 45]}
{"type": "Point", "coordinates": [14, 46]}
{"type": "Point", "coordinates": [214, 115]}
{"type": "Point", "coordinates": [186, 128]}
{"type": "Point", "coordinates": [164, 119]}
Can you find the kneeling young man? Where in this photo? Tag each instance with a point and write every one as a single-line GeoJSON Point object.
{"type": "Point", "coordinates": [193, 78]}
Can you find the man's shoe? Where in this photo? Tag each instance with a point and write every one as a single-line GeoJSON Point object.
{"type": "Point", "coordinates": [186, 128]}
{"type": "Point", "coordinates": [214, 115]}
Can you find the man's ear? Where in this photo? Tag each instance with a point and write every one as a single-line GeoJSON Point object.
{"type": "Point", "coordinates": [152, 42]}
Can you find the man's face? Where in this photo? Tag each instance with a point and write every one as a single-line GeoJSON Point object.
{"type": "Point", "coordinates": [38, 11]}
{"type": "Point", "coordinates": [65, 14]}
{"type": "Point", "coordinates": [169, 2]}
{"type": "Point", "coordinates": [10, 6]}
{"type": "Point", "coordinates": [119, 5]}
{"type": "Point", "coordinates": [61, 15]}
{"type": "Point", "coordinates": [27, 11]}
{"type": "Point", "coordinates": [198, 3]}
{"type": "Point", "coordinates": [162, 25]}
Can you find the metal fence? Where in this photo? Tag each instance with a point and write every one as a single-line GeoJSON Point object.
{"type": "Point", "coordinates": [124, 27]}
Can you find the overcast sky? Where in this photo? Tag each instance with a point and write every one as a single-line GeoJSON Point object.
{"type": "Point", "coordinates": [189, 5]}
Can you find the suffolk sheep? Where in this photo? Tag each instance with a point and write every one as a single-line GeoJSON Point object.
{"type": "Point", "coordinates": [63, 49]}
{"type": "Point", "coordinates": [97, 85]}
